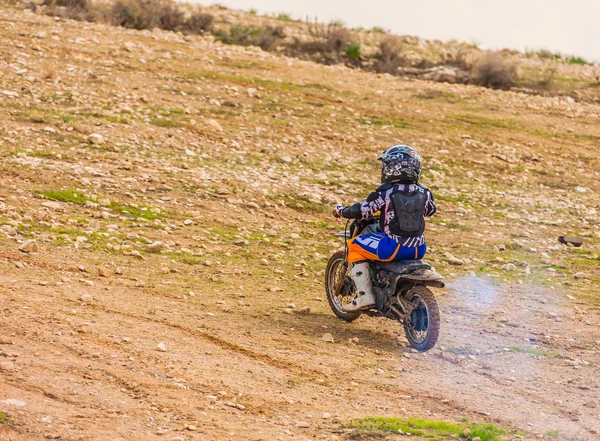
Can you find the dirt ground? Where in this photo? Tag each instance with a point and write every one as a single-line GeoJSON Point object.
{"type": "Point", "coordinates": [162, 297]}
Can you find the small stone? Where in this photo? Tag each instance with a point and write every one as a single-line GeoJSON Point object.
{"type": "Point", "coordinates": [576, 241]}
{"type": "Point", "coordinates": [327, 337]}
{"type": "Point", "coordinates": [140, 284]}
{"type": "Point", "coordinates": [466, 433]}
{"type": "Point", "coordinates": [476, 439]}
{"type": "Point", "coordinates": [102, 272]}
{"type": "Point", "coordinates": [96, 139]}
{"type": "Point", "coordinates": [215, 125]}
{"type": "Point", "coordinates": [326, 415]}
{"type": "Point", "coordinates": [119, 271]}
{"type": "Point", "coordinates": [591, 404]}
{"type": "Point", "coordinates": [191, 428]}
{"type": "Point", "coordinates": [188, 222]}
{"type": "Point", "coordinates": [14, 402]}
{"type": "Point", "coordinates": [49, 129]}
{"type": "Point", "coordinates": [580, 275]}
{"type": "Point", "coordinates": [264, 261]}
{"type": "Point", "coordinates": [53, 205]}
{"type": "Point", "coordinates": [86, 298]}
{"type": "Point", "coordinates": [304, 310]}
{"type": "Point", "coordinates": [7, 366]}
{"type": "Point", "coordinates": [509, 267]}
{"type": "Point", "coordinates": [161, 347]}
{"type": "Point", "coordinates": [29, 246]}
{"type": "Point", "coordinates": [155, 247]}
{"type": "Point", "coordinates": [41, 34]}
{"type": "Point", "coordinates": [302, 425]}
{"type": "Point", "coordinates": [251, 92]}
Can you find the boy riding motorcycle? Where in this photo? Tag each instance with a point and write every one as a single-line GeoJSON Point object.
{"type": "Point", "coordinates": [403, 206]}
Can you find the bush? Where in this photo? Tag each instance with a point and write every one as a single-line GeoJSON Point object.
{"type": "Point", "coordinates": [549, 55]}
{"type": "Point", "coordinates": [147, 14]}
{"type": "Point", "coordinates": [198, 23]}
{"type": "Point", "coordinates": [493, 70]}
{"type": "Point", "coordinates": [266, 37]}
{"type": "Point", "coordinates": [576, 60]}
{"type": "Point", "coordinates": [330, 39]}
{"type": "Point", "coordinates": [391, 55]}
{"type": "Point", "coordinates": [353, 50]}
{"type": "Point", "coordinates": [81, 10]}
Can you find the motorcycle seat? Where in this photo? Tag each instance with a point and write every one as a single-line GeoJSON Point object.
{"type": "Point", "coordinates": [402, 266]}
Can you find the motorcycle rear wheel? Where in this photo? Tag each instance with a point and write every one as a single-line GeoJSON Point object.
{"type": "Point", "coordinates": [422, 327]}
{"type": "Point", "coordinates": [335, 270]}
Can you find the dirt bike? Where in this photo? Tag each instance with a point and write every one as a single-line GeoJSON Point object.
{"type": "Point", "coordinates": [401, 291]}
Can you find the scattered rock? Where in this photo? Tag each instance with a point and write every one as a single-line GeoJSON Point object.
{"type": "Point", "coordinates": [29, 246]}
{"type": "Point", "coordinates": [57, 206]}
{"type": "Point", "coordinates": [215, 125]}
{"type": "Point", "coordinates": [161, 347]}
{"type": "Point", "coordinates": [96, 139]}
{"type": "Point", "coordinates": [327, 337]}
{"type": "Point", "coordinates": [14, 402]}
{"type": "Point", "coordinates": [304, 310]}
{"type": "Point", "coordinates": [188, 222]}
{"type": "Point", "coordinates": [155, 247]}
{"type": "Point", "coordinates": [302, 425]}
{"type": "Point", "coordinates": [576, 241]}
{"type": "Point", "coordinates": [7, 366]}
{"type": "Point", "coordinates": [87, 297]}
{"type": "Point", "coordinates": [509, 267]}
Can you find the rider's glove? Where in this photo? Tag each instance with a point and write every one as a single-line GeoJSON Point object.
{"type": "Point", "coordinates": [337, 211]}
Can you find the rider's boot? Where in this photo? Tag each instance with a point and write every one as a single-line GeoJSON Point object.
{"type": "Point", "coordinates": [361, 276]}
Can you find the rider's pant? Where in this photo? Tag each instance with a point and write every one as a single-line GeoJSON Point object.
{"type": "Point", "coordinates": [378, 246]}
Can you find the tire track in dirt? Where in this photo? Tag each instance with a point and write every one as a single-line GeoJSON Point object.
{"type": "Point", "coordinates": [218, 341]}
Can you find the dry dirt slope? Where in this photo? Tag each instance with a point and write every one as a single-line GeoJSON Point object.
{"type": "Point", "coordinates": [230, 158]}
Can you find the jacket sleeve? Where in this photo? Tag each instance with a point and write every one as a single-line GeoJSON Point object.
{"type": "Point", "coordinates": [352, 212]}
{"type": "Point", "coordinates": [430, 208]}
{"type": "Point", "coordinates": [372, 205]}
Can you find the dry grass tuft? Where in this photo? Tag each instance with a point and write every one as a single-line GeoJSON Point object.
{"type": "Point", "coordinates": [391, 55]}
{"type": "Point", "coordinates": [493, 70]}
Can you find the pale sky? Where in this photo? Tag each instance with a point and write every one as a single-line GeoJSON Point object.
{"type": "Point", "coordinates": [567, 26]}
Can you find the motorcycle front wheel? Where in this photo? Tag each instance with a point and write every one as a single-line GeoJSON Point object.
{"type": "Point", "coordinates": [335, 271]}
{"type": "Point", "coordinates": [422, 326]}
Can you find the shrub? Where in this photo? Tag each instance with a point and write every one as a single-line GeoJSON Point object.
{"type": "Point", "coordinates": [576, 60]}
{"type": "Point", "coordinates": [493, 70]}
{"type": "Point", "coordinates": [391, 55]}
{"type": "Point", "coordinates": [266, 37]}
{"type": "Point", "coordinates": [547, 76]}
{"type": "Point", "coordinates": [198, 23]}
{"type": "Point", "coordinates": [147, 14]}
{"type": "Point", "coordinates": [328, 39]}
{"type": "Point", "coordinates": [81, 10]}
{"type": "Point", "coordinates": [170, 17]}
{"type": "Point", "coordinates": [127, 14]}
{"type": "Point", "coordinates": [353, 50]}
{"type": "Point", "coordinates": [545, 53]}
{"type": "Point", "coordinates": [269, 37]}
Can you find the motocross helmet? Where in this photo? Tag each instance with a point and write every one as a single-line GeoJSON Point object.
{"type": "Point", "coordinates": [400, 163]}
